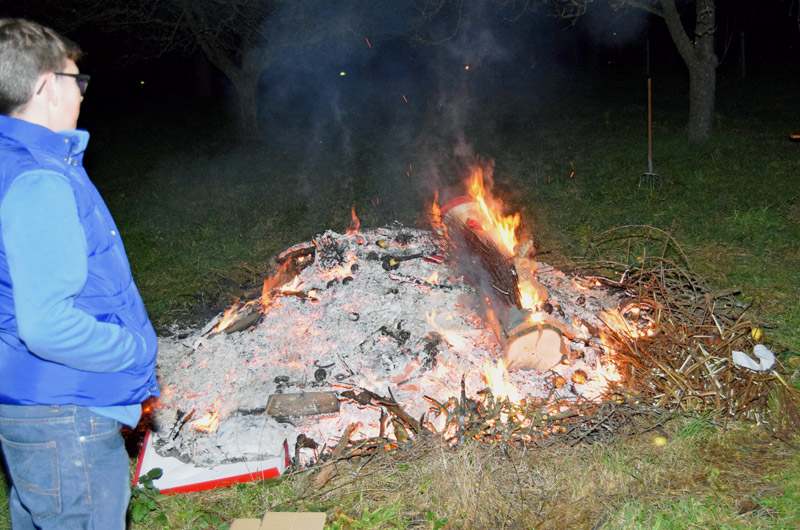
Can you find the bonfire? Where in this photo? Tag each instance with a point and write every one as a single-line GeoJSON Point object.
{"type": "Point", "coordinates": [371, 339]}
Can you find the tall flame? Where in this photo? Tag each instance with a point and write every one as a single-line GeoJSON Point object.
{"type": "Point", "coordinates": [505, 227]}
{"type": "Point", "coordinates": [355, 224]}
{"type": "Point", "coordinates": [496, 378]}
{"type": "Point", "coordinates": [436, 216]}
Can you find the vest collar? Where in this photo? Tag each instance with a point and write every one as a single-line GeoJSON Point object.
{"type": "Point", "coordinates": [63, 144]}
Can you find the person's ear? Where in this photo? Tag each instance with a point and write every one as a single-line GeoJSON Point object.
{"type": "Point", "coordinates": [47, 89]}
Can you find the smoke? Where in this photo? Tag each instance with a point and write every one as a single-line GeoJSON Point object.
{"type": "Point", "coordinates": [397, 102]}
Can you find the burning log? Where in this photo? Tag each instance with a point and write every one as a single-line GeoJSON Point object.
{"type": "Point", "coordinates": [528, 344]}
{"type": "Point", "coordinates": [245, 319]}
{"type": "Point", "coordinates": [238, 318]}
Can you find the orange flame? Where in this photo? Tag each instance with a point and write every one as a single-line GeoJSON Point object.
{"type": "Point", "coordinates": [504, 227]}
{"type": "Point", "coordinates": [270, 285]}
{"type": "Point", "coordinates": [496, 377]}
{"type": "Point", "coordinates": [436, 216]}
{"type": "Point", "coordinates": [228, 317]}
{"type": "Point", "coordinates": [530, 300]}
{"type": "Point", "coordinates": [355, 224]}
{"type": "Point", "coordinates": [209, 422]}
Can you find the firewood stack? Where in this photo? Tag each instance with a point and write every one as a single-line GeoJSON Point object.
{"type": "Point", "coordinates": [500, 277]}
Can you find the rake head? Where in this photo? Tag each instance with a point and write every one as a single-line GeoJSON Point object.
{"type": "Point", "coordinates": [650, 180]}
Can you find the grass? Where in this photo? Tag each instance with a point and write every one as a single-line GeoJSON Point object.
{"type": "Point", "coordinates": [202, 218]}
{"type": "Point", "coordinates": [701, 478]}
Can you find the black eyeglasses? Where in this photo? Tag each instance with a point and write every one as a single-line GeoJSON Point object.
{"type": "Point", "coordinates": [81, 79]}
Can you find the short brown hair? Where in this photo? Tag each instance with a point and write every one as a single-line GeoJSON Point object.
{"type": "Point", "coordinates": [27, 50]}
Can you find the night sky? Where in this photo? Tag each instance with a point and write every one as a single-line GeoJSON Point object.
{"type": "Point", "coordinates": [380, 82]}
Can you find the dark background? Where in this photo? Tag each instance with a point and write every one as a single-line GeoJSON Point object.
{"type": "Point", "coordinates": [416, 105]}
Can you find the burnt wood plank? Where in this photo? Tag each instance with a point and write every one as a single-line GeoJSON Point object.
{"type": "Point", "coordinates": [302, 404]}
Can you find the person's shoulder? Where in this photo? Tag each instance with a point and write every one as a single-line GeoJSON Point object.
{"type": "Point", "coordinates": [20, 164]}
{"type": "Point", "coordinates": [17, 157]}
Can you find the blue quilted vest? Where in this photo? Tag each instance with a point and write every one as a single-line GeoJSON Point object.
{"type": "Point", "coordinates": [109, 295]}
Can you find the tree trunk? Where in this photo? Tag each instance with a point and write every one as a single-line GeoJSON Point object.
{"type": "Point", "coordinates": [702, 87]}
{"type": "Point", "coordinates": [698, 54]}
{"type": "Point", "coordinates": [247, 95]}
{"type": "Point", "coordinates": [244, 74]}
{"type": "Point", "coordinates": [702, 66]}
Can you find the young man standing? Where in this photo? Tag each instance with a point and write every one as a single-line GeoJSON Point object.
{"type": "Point", "coordinates": [77, 350]}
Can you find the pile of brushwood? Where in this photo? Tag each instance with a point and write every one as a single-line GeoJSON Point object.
{"type": "Point", "coordinates": [686, 365]}
{"type": "Point", "coordinates": [683, 365]}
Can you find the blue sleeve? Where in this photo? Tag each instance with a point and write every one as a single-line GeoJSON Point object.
{"type": "Point", "coordinates": [46, 252]}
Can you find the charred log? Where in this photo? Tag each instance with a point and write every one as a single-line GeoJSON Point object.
{"type": "Point", "coordinates": [493, 273]}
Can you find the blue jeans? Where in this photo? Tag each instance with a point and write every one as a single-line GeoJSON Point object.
{"type": "Point", "coordinates": [68, 466]}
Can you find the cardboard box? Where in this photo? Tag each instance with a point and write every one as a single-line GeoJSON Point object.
{"type": "Point", "coordinates": [180, 477]}
{"type": "Point", "coordinates": [283, 521]}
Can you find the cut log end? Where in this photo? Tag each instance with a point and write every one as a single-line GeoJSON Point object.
{"type": "Point", "coordinates": [537, 347]}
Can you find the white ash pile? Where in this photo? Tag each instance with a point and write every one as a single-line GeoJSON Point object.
{"type": "Point", "coordinates": [379, 310]}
